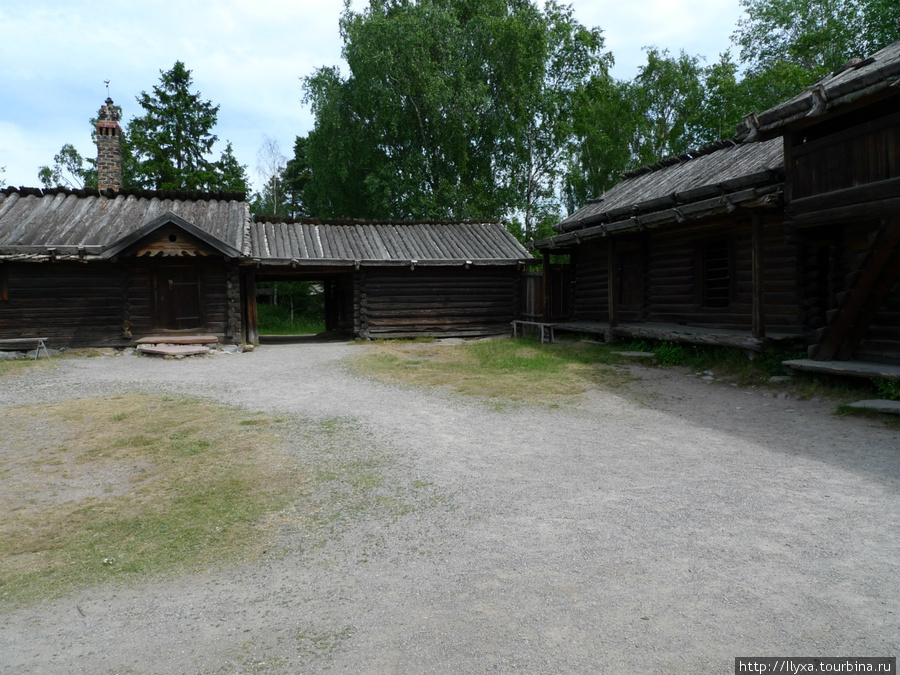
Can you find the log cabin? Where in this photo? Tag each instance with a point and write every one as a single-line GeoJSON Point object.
{"type": "Point", "coordinates": [841, 142]}
{"type": "Point", "coordinates": [691, 249]}
{"type": "Point", "coordinates": [789, 231]}
{"type": "Point", "coordinates": [399, 279]}
{"type": "Point", "coordinates": [111, 267]}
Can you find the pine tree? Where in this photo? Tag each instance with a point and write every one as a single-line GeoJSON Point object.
{"type": "Point", "coordinates": [173, 139]}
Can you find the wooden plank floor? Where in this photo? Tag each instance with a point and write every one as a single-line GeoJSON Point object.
{"type": "Point", "coordinates": [677, 333]}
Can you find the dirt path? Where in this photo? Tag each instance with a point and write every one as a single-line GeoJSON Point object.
{"type": "Point", "coordinates": [668, 529]}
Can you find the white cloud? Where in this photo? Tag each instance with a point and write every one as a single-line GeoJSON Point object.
{"type": "Point", "coordinates": [699, 27]}
{"type": "Point", "coordinates": [246, 55]}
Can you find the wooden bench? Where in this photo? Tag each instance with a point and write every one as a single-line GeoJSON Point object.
{"type": "Point", "coordinates": [544, 327]}
{"type": "Point", "coordinates": [38, 342]}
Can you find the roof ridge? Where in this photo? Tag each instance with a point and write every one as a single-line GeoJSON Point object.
{"type": "Point", "coordinates": [287, 220]}
{"type": "Point", "coordinates": [140, 193]}
{"type": "Point", "coordinates": [666, 162]}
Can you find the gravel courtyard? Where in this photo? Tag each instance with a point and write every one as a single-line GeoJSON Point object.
{"type": "Point", "coordinates": [665, 527]}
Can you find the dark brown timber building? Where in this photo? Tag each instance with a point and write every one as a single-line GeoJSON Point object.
{"type": "Point", "coordinates": [790, 231]}
{"type": "Point", "coordinates": [106, 268]}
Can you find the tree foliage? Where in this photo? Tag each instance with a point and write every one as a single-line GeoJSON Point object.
{"type": "Point", "coordinates": [295, 179]}
{"type": "Point", "coordinates": [173, 138]}
{"type": "Point", "coordinates": [229, 174]}
{"type": "Point", "coordinates": [270, 166]}
{"type": "Point", "coordinates": [624, 124]}
{"type": "Point", "coordinates": [69, 170]}
{"type": "Point", "coordinates": [677, 103]}
{"type": "Point", "coordinates": [817, 36]}
{"type": "Point", "coordinates": [451, 109]}
{"type": "Point", "coordinates": [166, 148]}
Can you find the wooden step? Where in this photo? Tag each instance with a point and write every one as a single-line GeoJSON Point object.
{"type": "Point", "coordinates": [177, 350]}
{"type": "Point", "coordinates": [178, 340]}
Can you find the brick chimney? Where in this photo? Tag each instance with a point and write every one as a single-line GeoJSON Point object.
{"type": "Point", "coordinates": [109, 148]}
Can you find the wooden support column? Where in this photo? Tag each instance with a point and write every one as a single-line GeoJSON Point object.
{"type": "Point", "coordinates": [612, 285]}
{"type": "Point", "coordinates": [878, 275]}
{"type": "Point", "coordinates": [250, 332]}
{"type": "Point", "coordinates": [759, 310]}
{"type": "Point", "coordinates": [547, 285]}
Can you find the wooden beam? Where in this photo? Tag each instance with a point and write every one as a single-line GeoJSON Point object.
{"type": "Point", "coordinates": [847, 198]}
{"type": "Point", "coordinates": [759, 320]}
{"type": "Point", "coordinates": [547, 285]}
{"type": "Point", "coordinates": [836, 216]}
{"type": "Point", "coordinates": [612, 283]}
{"type": "Point", "coordinates": [880, 272]}
{"type": "Point", "coordinates": [250, 333]}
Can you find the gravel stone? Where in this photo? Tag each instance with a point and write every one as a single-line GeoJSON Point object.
{"type": "Point", "coordinates": [653, 528]}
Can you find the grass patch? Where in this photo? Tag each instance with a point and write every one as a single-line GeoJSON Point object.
{"type": "Point", "coordinates": [20, 366]}
{"type": "Point", "coordinates": [722, 361]}
{"type": "Point", "coordinates": [276, 320]}
{"type": "Point", "coordinates": [888, 420]}
{"type": "Point", "coordinates": [520, 370]}
{"type": "Point", "coordinates": [123, 488]}
{"type": "Point", "coordinates": [136, 487]}
{"type": "Point", "coordinates": [524, 370]}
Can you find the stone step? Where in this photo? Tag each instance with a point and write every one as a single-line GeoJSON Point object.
{"type": "Point", "coordinates": [176, 350]}
{"type": "Point", "coordinates": [178, 340]}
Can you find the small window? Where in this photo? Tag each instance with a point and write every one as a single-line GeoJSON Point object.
{"type": "Point", "coordinates": [715, 271]}
{"type": "Point", "coordinates": [4, 283]}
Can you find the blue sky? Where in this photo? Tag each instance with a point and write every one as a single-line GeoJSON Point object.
{"type": "Point", "coordinates": [246, 55]}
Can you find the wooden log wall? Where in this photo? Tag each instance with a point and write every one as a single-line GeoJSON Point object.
{"type": "Point", "coordinates": [865, 153]}
{"type": "Point", "coordinates": [214, 279]}
{"type": "Point", "coordinates": [443, 302]}
{"type": "Point", "coordinates": [668, 260]}
{"type": "Point", "coordinates": [821, 271]}
{"type": "Point", "coordinates": [590, 301]}
{"type": "Point", "coordinates": [220, 293]}
{"type": "Point", "coordinates": [531, 293]}
{"type": "Point", "coordinates": [105, 304]}
{"type": "Point", "coordinates": [73, 304]}
{"type": "Point", "coordinates": [675, 283]}
{"type": "Point", "coordinates": [781, 286]}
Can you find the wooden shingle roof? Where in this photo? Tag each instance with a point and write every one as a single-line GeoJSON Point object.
{"type": "Point", "coordinates": [84, 223]}
{"type": "Point", "coordinates": [877, 75]}
{"type": "Point", "coordinates": [336, 242]}
{"type": "Point", "coordinates": [698, 185]}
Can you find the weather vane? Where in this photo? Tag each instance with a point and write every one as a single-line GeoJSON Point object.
{"type": "Point", "coordinates": [107, 87]}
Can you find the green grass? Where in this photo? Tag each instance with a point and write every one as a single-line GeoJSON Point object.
{"type": "Point", "coordinates": [132, 488]}
{"type": "Point", "coordinates": [110, 490]}
{"type": "Point", "coordinates": [276, 320]}
{"type": "Point", "coordinates": [721, 360]}
{"type": "Point", "coordinates": [521, 370]}
{"type": "Point", "coordinates": [888, 420]}
{"type": "Point", "coordinates": [527, 371]}
{"type": "Point", "coordinates": [20, 366]}
{"type": "Point", "coordinates": [735, 365]}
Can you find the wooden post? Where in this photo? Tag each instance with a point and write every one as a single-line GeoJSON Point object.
{"type": "Point", "coordinates": [547, 285]}
{"type": "Point", "coordinates": [612, 284]}
{"type": "Point", "coordinates": [759, 318]}
{"type": "Point", "coordinates": [250, 333]}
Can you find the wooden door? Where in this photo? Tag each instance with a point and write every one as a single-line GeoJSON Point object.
{"type": "Point", "coordinates": [179, 304]}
